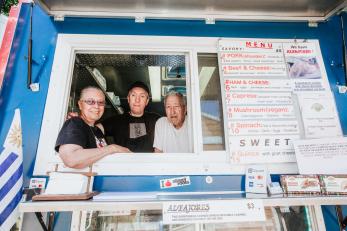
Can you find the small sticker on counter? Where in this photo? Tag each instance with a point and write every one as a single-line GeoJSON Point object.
{"type": "Point", "coordinates": [37, 183]}
{"type": "Point", "coordinates": [174, 182]}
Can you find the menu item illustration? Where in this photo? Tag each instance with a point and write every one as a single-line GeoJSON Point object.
{"type": "Point", "coordinates": [309, 183]}
{"type": "Point", "coordinates": [303, 67]}
{"type": "Point", "coordinates": [317, 107]}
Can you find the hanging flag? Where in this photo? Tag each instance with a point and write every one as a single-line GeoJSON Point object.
{"type": "Point", "coordinates": [11, 174]}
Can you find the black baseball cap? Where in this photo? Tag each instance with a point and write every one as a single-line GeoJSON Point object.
{"type": "Point", "coordinates": [139, 84]}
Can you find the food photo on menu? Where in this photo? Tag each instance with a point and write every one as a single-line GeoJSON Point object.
{"type": "Point", "coordinates": [303, 67]}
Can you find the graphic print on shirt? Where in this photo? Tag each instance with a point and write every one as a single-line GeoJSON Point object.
{"type": "Point", "coordinates": [137, 130]}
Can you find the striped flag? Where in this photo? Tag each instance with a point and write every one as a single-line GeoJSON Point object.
{"type": "Point", "coordinates": [11, 174]}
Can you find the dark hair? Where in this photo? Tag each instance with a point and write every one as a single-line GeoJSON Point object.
{"type": "Point", "coordinates": [140, 85]}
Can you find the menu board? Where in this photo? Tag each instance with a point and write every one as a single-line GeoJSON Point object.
{"type": "Point", "coordinates": [274, 92]}
{"type": "Point", "coordinates": [322, 156]}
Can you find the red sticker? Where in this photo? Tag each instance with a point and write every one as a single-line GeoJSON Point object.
{"type": "Point", "coordinates": [168, 183]}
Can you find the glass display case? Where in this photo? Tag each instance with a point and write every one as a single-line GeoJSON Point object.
{"type": "Point", "coordinates": [298, 218]}
{"type": "Point", "coordinates": [135, 214]}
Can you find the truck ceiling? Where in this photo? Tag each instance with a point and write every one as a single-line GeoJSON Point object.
{"type": "Point", "coordinates": [209, 10]}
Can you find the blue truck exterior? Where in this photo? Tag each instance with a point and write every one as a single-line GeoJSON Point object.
{"type": "Point", "coordinates": [14, 93]}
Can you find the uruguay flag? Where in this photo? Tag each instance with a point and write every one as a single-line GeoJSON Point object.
{"type": "Point", "coordinates": [11, 174]}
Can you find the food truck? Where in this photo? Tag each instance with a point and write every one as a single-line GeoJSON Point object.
{"type": "Point", "coordinates": [265, 90]}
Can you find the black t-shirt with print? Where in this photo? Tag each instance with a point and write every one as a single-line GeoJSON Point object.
{"type": "Point", "coordinates": [135, 133]}
{"type": "Point", "coordinates": [76, 131]}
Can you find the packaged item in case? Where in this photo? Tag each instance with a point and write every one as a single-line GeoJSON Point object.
{"type": "Point", "coordinates": [334, 184]}
{"type": "Point", "coordinates": [114, 98]}
{"type": "Point", "coordinates": [100, 78]}
{"type": "Point", "coordinates": [301, 184]}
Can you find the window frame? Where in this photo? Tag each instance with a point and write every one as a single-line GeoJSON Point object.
{"type": "Point", "coordinates": [199, 162]}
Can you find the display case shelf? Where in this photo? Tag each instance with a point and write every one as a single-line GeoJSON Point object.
{"type": "Point", "coordinates": [157, 203]}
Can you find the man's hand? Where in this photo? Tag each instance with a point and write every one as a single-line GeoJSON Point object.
{"type": "Point", "coordinates": [118, 149]}
{"type": "Point", "coordinates": [71, 115]}
{"type": "Point", "coordinates": [157, 150]}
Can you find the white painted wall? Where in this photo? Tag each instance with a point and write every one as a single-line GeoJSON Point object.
{"type": "Point", "coordinates": [3, 22]}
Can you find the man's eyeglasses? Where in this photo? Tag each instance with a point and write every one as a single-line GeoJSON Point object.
{"type": "Point", "coordinates": [93, 102]}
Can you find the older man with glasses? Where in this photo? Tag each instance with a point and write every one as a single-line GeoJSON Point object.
{"type": "Point", "coordinates": [80, 142]}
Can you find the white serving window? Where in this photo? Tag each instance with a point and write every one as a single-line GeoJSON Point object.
{"type": "Point", "coordinates": [192, 66]}
{"type": "Point", "coordinates": [164, 64]}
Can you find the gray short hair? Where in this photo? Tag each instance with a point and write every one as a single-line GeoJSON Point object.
{"type": "Point", "coordinates": [85, 89]}
{"type": "Point", "coordinates": [177, 94]}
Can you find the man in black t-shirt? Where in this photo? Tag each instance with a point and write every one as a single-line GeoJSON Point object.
{"type": "Point", "coordinates": [135, 129]}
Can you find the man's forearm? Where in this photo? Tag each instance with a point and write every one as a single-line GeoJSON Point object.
{"type": "Point", "coordinates": [80, 158]}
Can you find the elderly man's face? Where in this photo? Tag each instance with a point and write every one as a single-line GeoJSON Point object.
{"type": "Point", "coordinates": [175, 111]}
{"type": "Point", "coordinates": [92, 105]}
{"type": "Point", "coordinates": [138, 100]}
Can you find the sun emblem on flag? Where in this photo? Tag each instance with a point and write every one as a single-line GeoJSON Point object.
{"type": "Point", "coordinates": [15, 136]}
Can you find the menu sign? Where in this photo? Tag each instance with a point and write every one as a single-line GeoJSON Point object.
{"type": "Point", "coordinates": [272, 94]}
{"type": "Point", "coordinates": [321, 156]}
{"type": "Point", "coordinates": [311, 86]}
{"type": "Point", "coordinates": [247, 84]}
{"type": "Point", "coordinates": [259, 98]}
{"type": "Point", "coordinates": [213, 211]}
{"type": "Point", "coordinates": [319, 115]}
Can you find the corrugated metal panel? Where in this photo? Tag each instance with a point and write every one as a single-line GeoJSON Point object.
{"type": "Point", "coordinates": [209, 10]}
{"type": "Point", "coordinates": [135, 60]}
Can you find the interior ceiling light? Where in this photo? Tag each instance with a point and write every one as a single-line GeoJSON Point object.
{"type": "Point", "coordinates": [140, 19]}
{"type": "Point", "coordinates": [154, 73]}
{"type": "Point", "coordinates": [205, 76]}
{"type": "Point", "coordinates": [210, 21]}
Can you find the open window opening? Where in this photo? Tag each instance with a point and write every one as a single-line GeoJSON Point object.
{"type": "Point", "coordinates": [211, 102]}
{"type": "Point", "coordinates": [115, 73]}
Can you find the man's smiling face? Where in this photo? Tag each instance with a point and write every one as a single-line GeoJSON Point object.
{"type": "Point", "coordinates": [138, 99]}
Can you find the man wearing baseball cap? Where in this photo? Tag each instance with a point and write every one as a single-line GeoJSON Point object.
{"type": "Point", "coordinates": [134, 129]}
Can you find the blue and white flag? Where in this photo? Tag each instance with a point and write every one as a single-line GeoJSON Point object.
{"type": "Point", "coordinates": [11, 174]}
